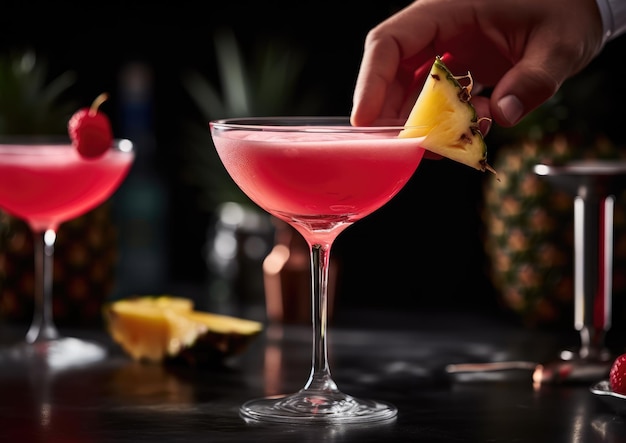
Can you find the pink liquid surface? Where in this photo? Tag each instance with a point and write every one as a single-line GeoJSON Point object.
{"type": "Point", "coordinates": [320, 181]}
{"type": "Point", "coordinates": [47, 185]}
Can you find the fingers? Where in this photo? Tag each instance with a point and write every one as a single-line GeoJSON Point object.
{"type": "Point", "coordinates": [535, 78]}
{"type": "Point", "coordinates": [524, 54]}
{"type": "Point", "coordinates": [378, 69]}
{"type": "Point", "coordinates": [521, 90]}
{"type": "Point", "coordinates": [381, 85]}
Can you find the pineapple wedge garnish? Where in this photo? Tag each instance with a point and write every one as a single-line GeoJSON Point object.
{"type": "Point", "coordinates": [447, 121]}
{"type": "Point", "coordinates": [161, 328]}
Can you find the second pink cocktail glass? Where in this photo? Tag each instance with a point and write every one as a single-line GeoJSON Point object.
{"type": "Point", "coordinates": [45, 182]}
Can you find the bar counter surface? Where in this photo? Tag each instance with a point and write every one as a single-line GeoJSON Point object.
{"type": "Point", "coordinates": [396, 358]}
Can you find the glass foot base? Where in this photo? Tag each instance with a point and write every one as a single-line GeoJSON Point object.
{"type": "Point", "coordinates": [310, 407]}
{"type": "Point", "coordinates": [59, 353]}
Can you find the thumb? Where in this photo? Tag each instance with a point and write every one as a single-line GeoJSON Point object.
{"type": "Point", "coordinates": [527, 85]}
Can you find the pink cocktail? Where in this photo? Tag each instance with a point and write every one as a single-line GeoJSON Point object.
{"type": "Point", "coordinates": [324, 181]}
{"type": "Point", "coordinates": [320, 175]}
{"type": "Point", "coordinates": [46, 183]}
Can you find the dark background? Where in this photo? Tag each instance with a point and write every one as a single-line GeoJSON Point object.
{"type": "Point", "coordinates": [422, 251]}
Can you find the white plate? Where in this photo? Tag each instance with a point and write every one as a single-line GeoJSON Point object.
{"type": "Point", "coordinates": [617, 401]}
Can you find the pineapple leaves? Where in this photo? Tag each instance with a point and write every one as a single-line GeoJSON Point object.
{"type": "Point", "coordinates": [234, 81]}
{"type": "Point", "coordinates": [30, 102]}
{"type": "Point", "coordinates": [262, 82]}
{"type": "Point", "coordinates": [263, 85]}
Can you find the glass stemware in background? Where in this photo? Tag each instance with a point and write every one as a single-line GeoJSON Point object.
{"type": "Point", "coordinates": [45, 182]}
{"type": "Point", "coordinates": [593, 183]}
{"type": "Point", "coordinates": [320, 175]}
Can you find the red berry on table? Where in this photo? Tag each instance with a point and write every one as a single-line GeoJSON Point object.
{"type": "Point", "coordinates": [90, 129]}
{"type": "Point", "coordinates": [617, 375]}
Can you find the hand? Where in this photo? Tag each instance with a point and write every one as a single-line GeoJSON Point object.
{"type": "Point", "coordinates": [519, 51]}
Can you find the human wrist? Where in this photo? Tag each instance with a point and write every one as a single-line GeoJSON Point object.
{"type": "Point", "coordinates": [613, 13]}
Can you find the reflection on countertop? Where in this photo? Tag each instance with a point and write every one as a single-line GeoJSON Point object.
{"type": "Point", "coordinates": [396, 358]}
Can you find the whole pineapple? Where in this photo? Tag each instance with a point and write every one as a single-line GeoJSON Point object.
{"type": "Point", "coordinates": [86, 247]}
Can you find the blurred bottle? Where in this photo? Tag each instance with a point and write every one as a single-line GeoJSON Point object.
{"type": "Point", "coordinates": [142, 200]}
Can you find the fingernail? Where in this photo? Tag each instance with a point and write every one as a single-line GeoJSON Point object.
{"type": "Point", "coordinates": [511, 108]}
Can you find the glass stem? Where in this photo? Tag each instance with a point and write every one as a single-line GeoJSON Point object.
{"type": "Point", "coordinates": [42, 327]}
{"type": "Point", "coordinates": [320, 378]}
{"type": "Point", "coordinates": [593, 257]}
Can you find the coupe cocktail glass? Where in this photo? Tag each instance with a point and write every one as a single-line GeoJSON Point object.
{"type": "Point", "coordinates": [320, 175]}
{"type": "Point", "coordinates": [45, 182]}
